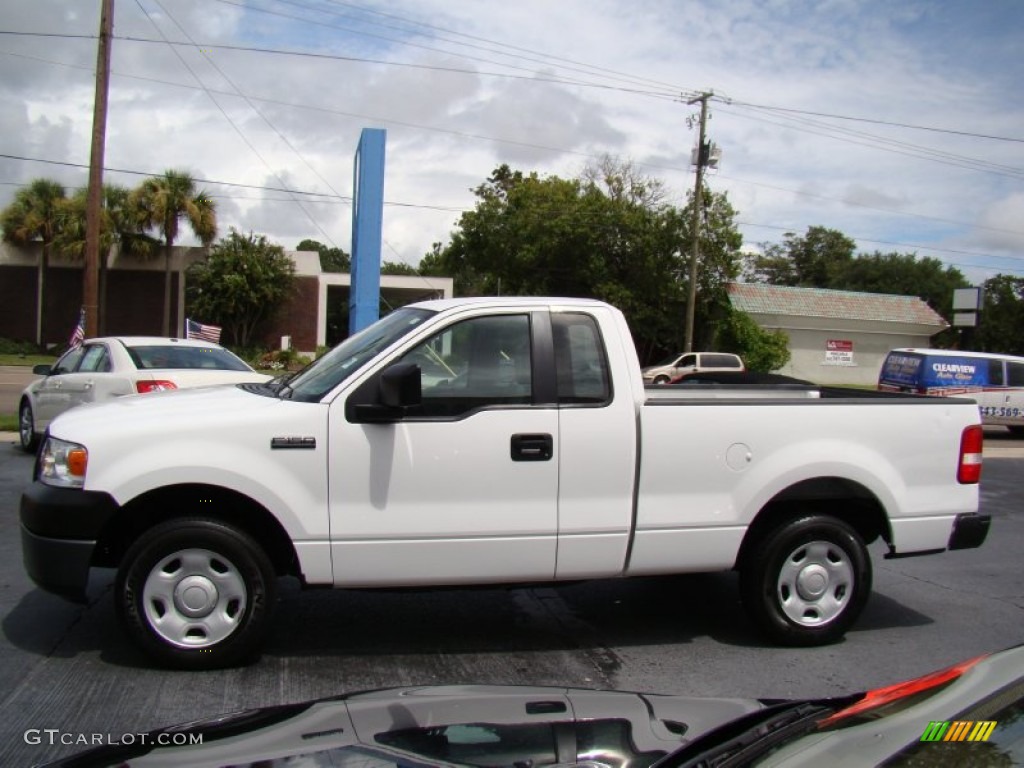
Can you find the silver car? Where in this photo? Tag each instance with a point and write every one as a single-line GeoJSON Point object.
{"type": "Point", "coordinates": [114, 366]}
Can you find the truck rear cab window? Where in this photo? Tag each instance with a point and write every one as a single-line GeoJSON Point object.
{"type": "Point", "coordinates": [580, 363]}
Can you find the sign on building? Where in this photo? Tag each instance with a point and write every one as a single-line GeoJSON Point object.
{"type": "Point", "coordinates": [839, 352]}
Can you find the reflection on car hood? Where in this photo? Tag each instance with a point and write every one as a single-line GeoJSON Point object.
{"type": "Point", "coordinates": [429, 726]}
{"type": "Point", "coordinates": [515, 725]}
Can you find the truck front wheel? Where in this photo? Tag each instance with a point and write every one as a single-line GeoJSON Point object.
{"type": "Point", "coordinates": [196, 594]}
{"type": "Point", "coordinates": [808, 581]}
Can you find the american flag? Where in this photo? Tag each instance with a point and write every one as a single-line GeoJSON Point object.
{"type": "Point", "coordinates": [194, 330]}
{"type": "Point", "coordinates": [78, 335]}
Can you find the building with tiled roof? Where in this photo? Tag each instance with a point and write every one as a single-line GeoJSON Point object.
{"type": "Point", "coordinates": [838, 337]}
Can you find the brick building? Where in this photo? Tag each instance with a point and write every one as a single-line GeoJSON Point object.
{"type": "Point", "coordinates": [134, 291]}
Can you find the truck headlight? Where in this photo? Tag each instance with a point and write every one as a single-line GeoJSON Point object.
{"type": "Point", "coordinates": [63, 464]}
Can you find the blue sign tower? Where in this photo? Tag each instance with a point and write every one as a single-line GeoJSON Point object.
{"type": "Point", "coordinates": [367, 221]}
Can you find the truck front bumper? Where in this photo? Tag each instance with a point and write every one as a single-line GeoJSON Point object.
{"type": "Point", "coordinates": [59, 531]}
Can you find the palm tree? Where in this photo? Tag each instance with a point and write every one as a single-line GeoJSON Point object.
{"type": "Point", "coordinates": [160, 203]}
{"type": "Point", "coordinates": [36, 214]}
{"type": "Point", "coordinates": [117, 227]}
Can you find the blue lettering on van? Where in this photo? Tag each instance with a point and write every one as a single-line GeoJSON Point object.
{"type": "Point", "coordinates": [926, 372]}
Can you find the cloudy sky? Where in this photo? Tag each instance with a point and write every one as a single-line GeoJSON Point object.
{"type": "Point", "coordinates": [900, 124]}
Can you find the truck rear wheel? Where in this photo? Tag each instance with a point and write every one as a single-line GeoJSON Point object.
{"type": "Point", "coordinates": [808, 581]}
{"type": "Point", "coordinates": [196, 594]}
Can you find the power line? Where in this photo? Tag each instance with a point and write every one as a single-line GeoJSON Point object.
{"type": "Point", "coordinates": [674, 94]}
{"type": "Point", "coordinates": [227, 117]}
{"type": "Point", "coordinates": [911, 126]}
{"type": "Point", "coordinates": [530, 145]}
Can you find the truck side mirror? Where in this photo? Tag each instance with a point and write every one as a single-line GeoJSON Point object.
{"type": "Point", "coordinates": [400, 386]}
{"type": "Point", "coordinates": [399, 391]}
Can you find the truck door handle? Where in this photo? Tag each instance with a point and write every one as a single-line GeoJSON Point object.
{"type": "Point", "coordinates": [532, 447]}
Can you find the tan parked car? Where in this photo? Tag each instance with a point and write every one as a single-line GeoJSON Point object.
{"type": "Point", "coordinates": [102, 368]}
{"type": "Point", "coordinates": [674, 368]}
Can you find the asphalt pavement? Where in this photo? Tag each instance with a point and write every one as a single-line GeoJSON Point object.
{"type": "Point", "coordinates": [69, 669]}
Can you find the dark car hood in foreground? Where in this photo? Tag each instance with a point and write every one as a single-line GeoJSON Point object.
{"type": "Point", "coordinates": [537, 726]}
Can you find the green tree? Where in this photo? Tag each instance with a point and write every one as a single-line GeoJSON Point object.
{"type": "Point", "coordinates": [607, 235]}
{"type": "Point", "coordinates": [905, 274]}
{"type": "Point", "coordinates": [36, 215]}
{"type": "Point", "coordinates": [331, 259]}
{"type": "Point", "coordinates": [1001, 324]}
{"type": "Point", "coordinates": [398, 268]}
{"type": "Point", "coordinates": [117, 228]}
{"type": "Point", "coordinates": [762, 351]}
{"type": "Point", "coordinates": [162, 203]}
{"type": "Point", "coordinates": [240, 284]}
{"type": "Point", "coordinates": [813, 260]}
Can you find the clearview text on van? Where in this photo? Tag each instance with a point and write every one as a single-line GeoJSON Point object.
{"type": "Point", "coordinates": [994, 381]}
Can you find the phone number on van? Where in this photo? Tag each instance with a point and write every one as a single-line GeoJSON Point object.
{"type": "Point", "coordinates": [1013, 413]}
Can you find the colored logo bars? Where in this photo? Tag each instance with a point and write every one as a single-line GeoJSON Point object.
{"type": "Point", "coordinates": [959, 730]}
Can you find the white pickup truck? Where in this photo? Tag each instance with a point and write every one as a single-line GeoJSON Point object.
{"type": "Point", "coordinates": [482, 441]}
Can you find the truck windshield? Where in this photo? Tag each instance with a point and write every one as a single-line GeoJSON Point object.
{"type": "Point", "coordinates": [319, 378]}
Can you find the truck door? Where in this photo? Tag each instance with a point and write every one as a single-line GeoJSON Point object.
{"type": "Point", "coordinates": [598, 450]}
{"type": "Point", "coordinates": [466, 489]}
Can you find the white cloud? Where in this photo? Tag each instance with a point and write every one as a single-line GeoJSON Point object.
{"type": "Point", "coordinates": [450, 121]}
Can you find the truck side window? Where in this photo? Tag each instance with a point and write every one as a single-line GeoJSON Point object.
{"type": "Point", "coordinates": [580, 363]}
{"type": "Point", "coordinates": [477, 363]}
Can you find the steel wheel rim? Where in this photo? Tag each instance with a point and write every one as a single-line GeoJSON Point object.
{"type": "Point", "coordinates": [194, 598]}
{"type": "Point", "coordinates": [25, 425]}
{"type": "Point", "coordinates": [815, 583]}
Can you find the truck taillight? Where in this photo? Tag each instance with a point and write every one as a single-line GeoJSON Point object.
{"type": "Point", "coordinates": [971, 442]}
{"type": "Point", "coordinates": [153, 385]}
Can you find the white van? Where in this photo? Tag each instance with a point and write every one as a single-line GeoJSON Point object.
{"type": "Point", "coordinates": [673, 368]}
{"type": "Point", "coordinates": [995, 382]}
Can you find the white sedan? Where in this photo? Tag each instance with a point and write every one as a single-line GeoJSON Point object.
{"type": "Point", "coordinates": [102, 368]}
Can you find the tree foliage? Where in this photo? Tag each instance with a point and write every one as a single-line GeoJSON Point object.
{"type": "Point", "coordinates": [243, 281]}
{"type": "Point", "coordinates": [825, 258]}
{"type": "Point", "coordinates": [1001, 326]}
{"type": "Point", "coordinates": [762, 351]}
{"type": "Point", "coordinates": [331, 259]}
{"type": "Point", "coordinates": [607, 235]}
{"type": "Point", "coordinates": [36, 215]}
{"type": "Point", "coordinates": [163, 203]}
{"type": "Point", "coordinates": [117, 228]}
{"type": "Point", "coordinates": [814, 260]}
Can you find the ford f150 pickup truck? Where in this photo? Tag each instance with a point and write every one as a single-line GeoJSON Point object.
{"type": "Point", "coordinates": [490, 441]}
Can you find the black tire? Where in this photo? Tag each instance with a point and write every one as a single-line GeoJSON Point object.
{"type": "Point", "coordinates": [661, 379]}
{"type": "Point", "coordinates": [196, 594]}
{"type": "Point", "coordinates": [807, 582]}
{"type": "Point", "coordinates": [27, 428]}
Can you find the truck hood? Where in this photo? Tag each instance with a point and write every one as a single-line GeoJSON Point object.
{"type": "Point", "coordinates": [164, 413]}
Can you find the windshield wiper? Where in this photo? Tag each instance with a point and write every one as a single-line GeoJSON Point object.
{"type": "Point", "coordinates": [740, 741]}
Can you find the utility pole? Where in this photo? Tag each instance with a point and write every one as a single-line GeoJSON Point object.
{"type": "Point", "coordinates": [702, 158]}
{"type": "Point", "coordinates": [94, 198]}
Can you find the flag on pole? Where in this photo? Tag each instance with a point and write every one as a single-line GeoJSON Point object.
{"type": "Point", "coordinates": [78, 335]}
{"type": "Point", "coordinates": [194, 330]}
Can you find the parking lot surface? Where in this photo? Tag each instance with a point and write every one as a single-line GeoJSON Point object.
{"type": "Point", "coordinates": [67, 668]}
